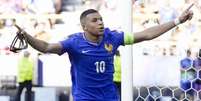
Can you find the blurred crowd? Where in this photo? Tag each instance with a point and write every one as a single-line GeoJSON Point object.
{"type": "Point", "coordinates": [45, 19]}
{"type": "Point", "coordinates": [176, 41]}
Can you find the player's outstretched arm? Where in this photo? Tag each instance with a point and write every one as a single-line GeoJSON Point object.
{"type": "Point", "coordinates": [41, 45]}
{"type": "Point", "coordinates": [158, 30]}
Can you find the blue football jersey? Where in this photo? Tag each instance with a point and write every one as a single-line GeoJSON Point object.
{"type": "Point", "coordinates": [92, 65]}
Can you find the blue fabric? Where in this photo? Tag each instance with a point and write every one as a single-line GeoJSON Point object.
{"type": "Point", "coordinates": [92, 66]}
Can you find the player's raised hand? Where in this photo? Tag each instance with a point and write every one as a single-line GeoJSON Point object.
{"type": "Point", "coordinates": [186, 15]}
{"type": "Point", "coordinates": [19, 29]}
{"type": "Point", "coordinates": [20, 32]}
{"type": "Point", "coordinates": [19, 42]}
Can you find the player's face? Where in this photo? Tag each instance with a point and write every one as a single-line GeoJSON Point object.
{"type": "Point", "coordinates": [94, 24]}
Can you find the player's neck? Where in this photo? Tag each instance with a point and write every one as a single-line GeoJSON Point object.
{"type": "Point", "coordinates": [92, 38]}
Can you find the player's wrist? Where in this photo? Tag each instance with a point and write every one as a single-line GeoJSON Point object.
{"type": "Point", "coordinates": [23, 32]}
{"type": "Point", "coordinates": [177, 21]}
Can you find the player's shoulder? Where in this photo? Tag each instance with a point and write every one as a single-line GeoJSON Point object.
{"type": "Point", "coordinates": [73, 36]}
{"type": "Point", "coordinates": [111, 32]}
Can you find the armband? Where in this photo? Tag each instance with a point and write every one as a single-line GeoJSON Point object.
{"type": "Point", "coordinates": [128, 39]}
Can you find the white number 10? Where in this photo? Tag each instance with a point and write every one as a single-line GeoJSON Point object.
{"type": "Point", "coordinates": [100, 67]}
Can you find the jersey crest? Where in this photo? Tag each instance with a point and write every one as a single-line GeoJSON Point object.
{"type": "Point", "coordinates": [108, 47]}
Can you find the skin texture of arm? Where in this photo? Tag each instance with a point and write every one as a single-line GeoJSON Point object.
{"type": "Point", "coordinates": [153, 32]}
{"type": "Point", "coordinates": [43, 46]}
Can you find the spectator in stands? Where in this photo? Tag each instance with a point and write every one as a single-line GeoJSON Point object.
{"type": "Point", "coordinates": [10, 6]}
{"type": "Point", "coordinates": [92, 53]}
{"type": "Point", "coordinates": [57, 6]}
{"type": "Point", "coordinates": [67, 5]}
{"type": "Point", "coordinates": [37, 7]}
{"type": "Point", "coordinates": [117, 71]}
{"type": "Point", "coordinates": [25, 76]}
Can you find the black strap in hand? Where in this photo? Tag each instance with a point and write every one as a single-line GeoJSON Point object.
{"type": "Point", "coordinates": [23, 44]}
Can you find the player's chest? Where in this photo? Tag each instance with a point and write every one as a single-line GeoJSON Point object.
{"type": "Point", "coordinates": [106, 48]}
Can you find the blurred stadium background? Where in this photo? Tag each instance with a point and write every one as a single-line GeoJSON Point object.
{"type": "Point", "coordinates": [156, 63]}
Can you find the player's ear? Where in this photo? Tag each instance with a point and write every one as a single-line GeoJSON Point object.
{"type": "Point", "coordinates": [84, 27]}
{"type": "Point", "coordinates": [83, 23]}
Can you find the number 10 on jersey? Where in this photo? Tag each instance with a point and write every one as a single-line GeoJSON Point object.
{"type": "Point", "coordinates": [100, 66]}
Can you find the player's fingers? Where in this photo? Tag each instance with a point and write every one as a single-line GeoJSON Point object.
{"type": "Point", "coordinates": [17, 27]}
{"type": "Point", "coordinates": [190, 15]}
{"type": "Point", "coordinates": [190, 12]}
{"type": "Point", "coordinates": [189, 7]}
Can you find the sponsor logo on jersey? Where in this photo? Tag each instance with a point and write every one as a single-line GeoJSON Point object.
{"type": "Point", "coordinates": [85, 51]}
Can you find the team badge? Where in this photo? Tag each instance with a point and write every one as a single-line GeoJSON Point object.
{"type": "Point", "coordinates": [108, 47]}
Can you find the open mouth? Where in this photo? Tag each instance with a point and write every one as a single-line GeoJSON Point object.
{"type": "Point", "coordinates": [101, 28]}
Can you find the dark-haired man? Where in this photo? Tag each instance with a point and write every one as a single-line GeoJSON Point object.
{"type": "Point", "coordinates": [92, 51]}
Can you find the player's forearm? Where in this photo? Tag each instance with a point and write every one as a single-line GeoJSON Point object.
{"type": "Point", "coordinates": [158, 30]}
{"type": "Point", "coordinates": [36, 43]}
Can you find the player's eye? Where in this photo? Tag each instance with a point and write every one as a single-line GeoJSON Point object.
{"type": "Point", "coordinates": [94, 20]}
{"type": "Point", "coordinates": [101, 19]}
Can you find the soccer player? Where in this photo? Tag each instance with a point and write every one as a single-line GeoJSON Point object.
{"type": "Point", "coordinates": [92, 51]}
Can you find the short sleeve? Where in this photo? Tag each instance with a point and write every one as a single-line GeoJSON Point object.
{"type": "Point", "coordinates": [66, 45]}
{"type": "Point", "coordinates": [123, 38]}
{"type": "Point", "coordinates": [118, 37]}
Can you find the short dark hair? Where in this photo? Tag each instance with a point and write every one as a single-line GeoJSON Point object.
{"type": "Point", "coordinates": [86, 12]}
